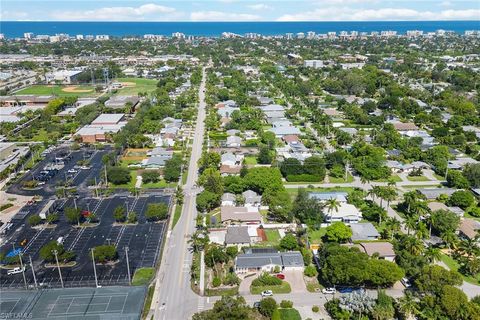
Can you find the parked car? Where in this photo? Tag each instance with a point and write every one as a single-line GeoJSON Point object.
{"type": "Point", "coordinates": [406, 282]}
{"type": "Point", "coordinates": [346, 290]}
{"type": "Point", "coordinates": [329, 290]}
{"type": "Point", "coordinates": [72, 170]}
{"type": "Point", "coordinates": [280, 276]}
{"type": "Point", "coordinates": [15, 270]}
{"type": "Point", "coordinates": [267, 293]}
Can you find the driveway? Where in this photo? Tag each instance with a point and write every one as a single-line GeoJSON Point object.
{"type": "Point", "coordinates": [244, 288]}
{"type": "Point", "coordinates": [295, 278]}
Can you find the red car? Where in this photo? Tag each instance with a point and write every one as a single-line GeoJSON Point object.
{"type": "Point", "coordinates": [280, 276]}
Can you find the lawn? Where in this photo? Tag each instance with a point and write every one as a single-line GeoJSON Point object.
{"type": "Point", "coordinates": [453, 265]}
{"type": "Point", "coordinates": [289, 314]}
{"type": "Point", "coordinates": [61, 91]}
{"type": "Point", "coordinates": [273, 237]}
{"type": "Point", "coordinates": [394, 178]}
{"type": "Point", "coordinates": [143, 276]}
{"type": "Point", "coordinates": [177, 214]}
{"type": "Point", "coordinates": [417, 178]}
{"type": "Point", "coordinates": [148, 302]}
{"type": "Point", "coordinates": [136, 85]}
{"type": "Point", "coordinates": [439, 177]}
{"type": "Point", "coordinates": [316, 236]}
{"type": "Point", "coordinates": [341, 180]}
{"type": "Point", "coordinates": [283, 288]}
{"type": "Point", "coordinates": [250, 160]}
{"type": "Point", "coordinates": [157, 185]}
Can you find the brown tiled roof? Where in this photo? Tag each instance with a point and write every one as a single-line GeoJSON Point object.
{"type": "Point", "coordinates": [405, 126]}
{"type": "Point", "coordinates": [230, 169]}
{"type": "Point", "coordinates": [290, 138]}
{"type": "Point", "coordinates": [469, 228]}
{"type": "Point", "coordinates": [384, 249]}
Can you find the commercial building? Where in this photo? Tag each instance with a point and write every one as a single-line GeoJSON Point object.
{"type": "Point", "coordinates": [101, 127]}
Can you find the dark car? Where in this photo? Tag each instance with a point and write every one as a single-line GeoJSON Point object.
{"type": "Point", "coordinates": [347, 290]}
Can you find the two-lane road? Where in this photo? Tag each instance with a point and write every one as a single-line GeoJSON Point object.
{"type": "Point", "coordinates": [173, 298]}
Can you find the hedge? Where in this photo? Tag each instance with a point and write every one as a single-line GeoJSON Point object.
{"type": "Point", "coordinates": [303, 178]}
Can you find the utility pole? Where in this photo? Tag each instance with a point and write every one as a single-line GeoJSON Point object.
{"type": "Point", "coordinates": [75, 203]}
{"type": "Point", "coordinates": [23, 269]}
{"type": "Point", "coordinates": [128, 266]}
{"type": "Point", "coordinates": [106, 177]}
{"type": "Point", "coordinates": [33, 272]}
{"type": "Point", "coordinates": [94, 269]}
{"type": "Point", "coordinates": [55, 252]}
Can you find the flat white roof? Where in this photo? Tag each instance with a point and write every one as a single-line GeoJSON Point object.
{"type": "Point", "coordinates": [112, 118]}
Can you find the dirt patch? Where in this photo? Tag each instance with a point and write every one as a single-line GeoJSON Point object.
{"type": "Point", "coordinates": [128, 84]}
{"type": "Point", "coordinates": [76, 90]}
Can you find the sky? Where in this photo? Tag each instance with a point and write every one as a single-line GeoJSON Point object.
{"type": "Point", "coordinates": [238, 10]}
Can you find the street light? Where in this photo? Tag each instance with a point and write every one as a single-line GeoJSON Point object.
{"type": "Point", "coordinates": [94, 269]}
{"type": "Point", "coordinates": [55, 252]}
{"type": "Point", "coordinates": [33, 272]}
{"type": "Point", "coordinates": [128, 266]}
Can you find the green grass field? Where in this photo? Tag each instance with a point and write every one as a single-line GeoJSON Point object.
{"type": "Point", "coordinates": [341, 180]}
{"type": "Point", "coordinates": [273, 237]}
{"type": "Point", "coordinates": [283, 288]}
{"type": "Point", "coordinates": [315, 236]}
{"type": "Point", "coordinates": [143, 276]}
{"type": "Point", "coordinates": [136, 85]}
{"type": "Point", "coordinates": [250, 160]}
{"type": "Point", "coordinates": [289, 314]}
{"type": "Point", "coordinates": [60, 91]}
{"type": "Point", "coordinates": [453, 265]}
{"type": "Point", "coordinates": [417, 178]}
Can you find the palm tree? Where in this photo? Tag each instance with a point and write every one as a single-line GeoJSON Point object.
{"type": "Point", "coordinates": [469, 247]}
{"type": "Point", "coordinates": [410, 223]}
{"type": "Point", "coordinates": [199, 240]}
{"type": "Point", "coordinates": [432, 254]}
{"type": "Point", "coordinates": [332, 204]}
{"type": "Point", "coordinates": [410, 198]}
{"type": "Point", "coordinates": [394, 225]}
{"type": "Point", "coordinates": [450, 239]}
{"type": "Point", "coordinates": [421, 208]}
{"type": "Point", "coordinates": [407, 305]}
{"type": "Point", "coordinates": [414, 246]}
{"type": "Point", "coordinates": [422, 231]}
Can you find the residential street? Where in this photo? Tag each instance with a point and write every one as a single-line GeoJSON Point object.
{"type": "Point", "coordinates": [173, 298]}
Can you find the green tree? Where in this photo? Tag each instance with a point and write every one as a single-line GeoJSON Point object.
{"type": "Point", "coordinates": [472, 173]}
{"type": "Point", "coordinates": [34, 220]}
{"type": "Point", "coordinates": [265, 155]}
{"type": "Point", "coordinates": [338, 232]}
{"type": "Point", "coordinates": [433, 278]}
{"type": "Point", "coordinates": [267, 306]}
{"type": "Point", "coordinates": [207, 200]}
{"type": "Point", "coordinates": [119, 214]}
{"type": "Point", "coordinates": [73, 215]}
{"type": "Point", "coordinates": [456, 179]}
{"type": "Point", "coordinates": [150, 176]}
{"type": "Point", "coordinates": [212, 181]}
{"type": "Point", "coordinates": [118, 175]}
{"type": "Point", "coordinates": [453, 301]}
{"type": "Point", "coordinates": [105, 253]}
{"type": "Point", "coordinates": [156, 211]}
{"type": "Point", "coordinates": [173, 168]}
{"type": "Point", "coordinates": [289, 242]}
{"type": "Point", "coordinates": [462, 199]}
{"type": "Point", "coordinates": [47, 252]}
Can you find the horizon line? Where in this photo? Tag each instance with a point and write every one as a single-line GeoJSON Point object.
{"type": "Point", "coordinates": [253, 21]}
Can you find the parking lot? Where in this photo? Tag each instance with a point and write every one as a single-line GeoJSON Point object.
{"type": "Point", "coordinates": [143, 240]}
{"type": "Point", "coordinates": [59, 166]}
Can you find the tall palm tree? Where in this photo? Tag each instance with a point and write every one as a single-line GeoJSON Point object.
{"type": "Point", "coordinates": [332, 204]}
{"type": "Point", "coordinates": [410, 198]}
{"type": "Point", "coordinates": [421, 208]}
{"type": "Point", "coordinates": [410, 223]}
{"type": "Point", "coordinates": [407, 305]}
{"type": "Point", "coordinates": [414, 246]}
{"type": "Point", "coordinates": [450, 239]}
{"type": "Point", "coordinates": [432, 254]}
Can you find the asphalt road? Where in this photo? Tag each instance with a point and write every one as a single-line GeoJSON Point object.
{"type": "Point", "coordinates": [173, 298]}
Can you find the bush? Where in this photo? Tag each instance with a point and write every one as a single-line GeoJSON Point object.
{"type": "Point", "coordinates": [315, 309]}
{"type": "Point", "coordinates": [276, 269]}
{"type": "Point", "coordinates": [156, 211]}
{"type": "Point", "coordinates": [462, 199]}
{"type": "Point", "coordinates": [310, 271]}
{"type": "Point", "coordinates": [150, 176]}
{"type": "Point", "coordinates": [34, 220]}
{"type": "Point", "coordinates": [266, 280]}
{"type": "Point", "coordinates": [47, 252]}
{"type": "Point", "coordinates": [286, 304]}
{"type": "Point", "coordinates": [474, 211]}
{"type": "Point", "coordinates": [119, 214]}
{"type": "Point", "coordinates": [118, 175]}
{"type": "Point", "coordinates": [231, 279]}
{"type": "Point", "coordinates": [216, 282]}
{"type": "Point", "coordinates": [267, 307]}
{"type": "Point", "coordinates": [30, 184]}
{"type": "Point", "coordinates": [72, 215]}
{"type": "Point", "coordinates": [105, 253]}
{"type": "Point", "coordinates": [132, 217]}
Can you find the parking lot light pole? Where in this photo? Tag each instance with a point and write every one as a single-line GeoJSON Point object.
{"type": "Point", "coordinates": [128, 266]}
{"type": "Point", "coordinates": [33, 272]}
{"type": "Point", "coordinates": [94, 269]}
{"type": "Point", "coordinates": [23, 269]}
{"type": "Point", "coordinates": [55, 252]}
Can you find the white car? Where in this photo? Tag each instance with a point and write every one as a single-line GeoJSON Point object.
{"type": "Point", "coordinates": [267, 293]}
{"type": "Point", "coordinates": [72, 171]}
{"type": "Point", "coordinates": [84, 167]}
{"type": "Point", "coordinates": [329, 290]}
{"type": "Point", "coordinates": [406, 283]}
{"type": "Point", "coordinates": [15, 270]}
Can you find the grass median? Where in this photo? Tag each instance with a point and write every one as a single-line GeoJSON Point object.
{"type": "Point", "coordinates": [283, 288]}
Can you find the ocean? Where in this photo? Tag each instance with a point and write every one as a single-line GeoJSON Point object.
{"type": "Point", "coordinates": [12, 29]}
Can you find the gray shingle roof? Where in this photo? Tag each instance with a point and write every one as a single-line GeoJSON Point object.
{"type": "Point", "coordinates": [258, 260]}
{"type": "Point", "coordinates": [363, 231]}
{"type": "Point", "coordinates": [237, 235]}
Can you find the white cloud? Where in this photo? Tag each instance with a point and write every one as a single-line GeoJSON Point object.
{"type": "Point", "coordinates": [260, 6]}
{"type": "Point", "coordinates": [222, 16]}
{"type": "Point", "coordinates": [446, 4]}
{"type": "Point", "coordinates": [349, 14]}
{"type": "Point", "coordinates": [148, 11]}
{"type": "Point", "coordinates": [13, 15]}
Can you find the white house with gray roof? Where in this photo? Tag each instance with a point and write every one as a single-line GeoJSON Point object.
{"type": "Point", "coordinates": [267, 261]}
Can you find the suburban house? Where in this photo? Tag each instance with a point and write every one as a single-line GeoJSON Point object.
{"type": "Point", "coordinates": [252, 199]}
{"type": "Point", "coordinates": [157, 158]}
{"type": "Point", "coordinates": [434, 193]}
{"type": "Point", "coordinates": [242, 235]}
{"type": "Point", "coordinates": [364, 231]}
{"type": "Point", "coordinates": [230, 159]}
{"type": "Point", "coordinates": [226, 112]}
{"type": "Point", "coordinates": [384, 250]}
{"type": "Point", "coordinates": [405, 126]}
{"type": "Point", "coordinates": [346, 213]}
{"type": "Point", "coordinates": [101, 127]}
{"type": "Point", "coordinates": [284, 131]}
{"type": "Point", "coordinates": [120, 102]}
{"type": "Point", "coordinates": [469, 228]}
{"type": "Point", "coordinates": [226, 170]}
{"type": "Point", "coordinates": [233, 215]}
{"type": "Point", "coordinates": [234, 141]}
{"type": "Point", "coordinates": [341, 197]}
{"type": "Point", "coordinates": [228, 199]}
{"type": "Point", "coordinates": [267, 261]}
